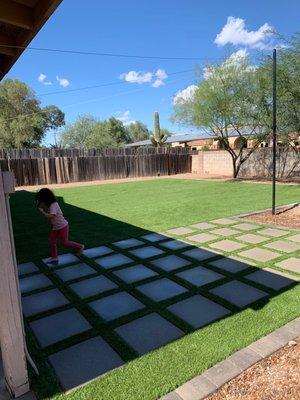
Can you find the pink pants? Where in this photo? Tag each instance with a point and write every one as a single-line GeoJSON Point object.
{"type": "Point", "coordinates": [63, 234]}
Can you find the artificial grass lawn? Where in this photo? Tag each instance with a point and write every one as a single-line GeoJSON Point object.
{"type": "Point", "coordinates": [133, 209]}
{"type": "Point", "coordinates": [107, 213]}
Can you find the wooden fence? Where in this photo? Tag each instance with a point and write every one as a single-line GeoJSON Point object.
{"type": "Point", "coordinates": [43, 171]}
{"type": "Point", "coordinates": [52, 153]}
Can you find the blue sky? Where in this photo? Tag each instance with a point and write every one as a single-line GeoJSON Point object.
{"type": "Point", "coordinates": [167, 28]}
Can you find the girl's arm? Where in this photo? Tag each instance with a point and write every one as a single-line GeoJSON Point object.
{"type": "Point", "coordinates": [46, 215]}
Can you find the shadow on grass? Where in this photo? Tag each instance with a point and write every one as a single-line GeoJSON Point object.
{"type": "Point", "coordinates": [202, 299]}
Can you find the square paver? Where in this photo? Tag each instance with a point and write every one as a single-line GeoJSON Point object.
{"type": "Point", "coordinates": [44, 301]}
{"type": "Point", "coordinates": [199, 254]}
{"type": "Point", "coordinates": [250, 238]}
{"type": "Point", "coordinates": [93, 286]}
{"type": "Point", "coordinates": [83, 362]}
{"type": "Point", "coordinates": [169, 263]}
{"type": "Point", "coordinates": [239, 293]}
{"type": "Point", "coordinates": [283, 245]}
{"type": "Point", "coordinates": [27, 268]}
{"type": "Point", "coordinates": [175, 244]}
{"type": "Point", "coordinates": [292, 264]}
{"type": "Point", "coordinates": [63, 259]}
{"type": "Point", "coordinates": [225, 231]}
{"type": "Point", "coordinates": [161, 289]}
{"type": "Point", "coordinates": [230, 264]}
{"type": "Point", "coordinates": [270, 278]}
{"type": "Point", "coordinates": [180, 231]}
{"type": "Point", "coordinates": [198, 310]}
{"type": "Point", "coordinates": [224, 221]}
{"type": "Point", "coordinates": [246, 227]}
{"type": "Point", "coordinates": [155, 237]}
{"type": "Point", "coordinates": [114, 260]}
{"type": "Point", "coordinates": [126, 244]}
{"type": "Point", "coordinates": [258, 254]}
{"type": "Point", "coordinates": [135, 273]}
{"type": "Point", "coordinates": [273, 232]}
{"type": "Point", "coordinates": [227, 245]}
{"type": "Point", "coordinates": [116, 306]}
{"type": "Point", "coordinates": [148, 333]}
{"type": "Point", "coordinates": [97, 251]}
{"type": "Point", "coordinates": [202, 237]}
{"type": "Point", "coordinates": [74, 272]}
{"type": "Point", "coordinates": [59, 326]}
{"type": "Point", "coordinates": [34, 282]}
{"type": "Point", "coordinates": [200, 276]}
{"type": "Point", "coordinates": [146, 252]}
{"type": "Point", "coordinates": [203, 226]}
{"type": "Point", "coordinates": [294, 238]}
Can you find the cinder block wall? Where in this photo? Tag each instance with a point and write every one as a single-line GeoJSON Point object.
{"type": "Point", "coordinates": [219, 163]}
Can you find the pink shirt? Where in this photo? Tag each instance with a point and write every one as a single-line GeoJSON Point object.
{"type": "Point", "coordinates": [58, 222]}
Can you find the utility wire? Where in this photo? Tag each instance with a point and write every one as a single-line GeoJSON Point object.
{"type": "Point", "coordinates": [87, 101]}
{"type": "Point", "coordinates": [103, 85]}
{"type": "Point", "coordinates": [92, 53]}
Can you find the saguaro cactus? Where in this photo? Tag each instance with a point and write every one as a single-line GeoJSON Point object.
{"type": "Point", "coordinates": [158, 138]}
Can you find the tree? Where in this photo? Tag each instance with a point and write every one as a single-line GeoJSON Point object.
{"type": "Point", "coordinates": [23, 122]}
{"type": "Point", "coordinates": [137, 131]}
{"type": "Point", "coordinates": [89, 132]}
{"type": "Point", "coordinates": [230, 99]}
{"type": "Point", "coordinates": [76, 134]}
{"type": "Point", "coordinates": [158, 138]}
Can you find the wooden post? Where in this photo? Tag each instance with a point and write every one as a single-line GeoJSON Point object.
{"type": "Point", "coordinates": [11, 323]}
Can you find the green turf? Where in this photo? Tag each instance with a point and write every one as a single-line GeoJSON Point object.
{"type": "Point", "coordinates": [111, 212]}
{"type": "Point", "coordinates": [101, 214]}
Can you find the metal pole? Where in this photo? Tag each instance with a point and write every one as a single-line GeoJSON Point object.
{"type": "Point", "coordinates": [274, 135]}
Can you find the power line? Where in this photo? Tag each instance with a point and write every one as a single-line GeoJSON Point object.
{"type": "Point", "coordinates": [103, 85]}
{"type": "Point", "coordinates": [87, 101]}
{"type": "Point", "coordinates": [92, 53]}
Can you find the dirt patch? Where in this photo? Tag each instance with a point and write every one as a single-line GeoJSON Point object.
{"type": "Point", "coordinates": [275, 378]}
{"type": "Point", "coordinates": [289, 217]}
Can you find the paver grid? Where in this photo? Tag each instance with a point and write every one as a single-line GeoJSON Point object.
{"type": "Point", "coordinates": [166, 285]}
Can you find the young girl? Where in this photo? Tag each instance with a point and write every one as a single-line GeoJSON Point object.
{"type": "Point", "coordinates": [60, 228]}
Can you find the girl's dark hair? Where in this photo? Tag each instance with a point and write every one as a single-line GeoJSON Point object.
{"type": "Point", "coordinates": [45, 196]}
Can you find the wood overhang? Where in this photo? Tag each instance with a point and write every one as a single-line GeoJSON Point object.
{"type": "Point", "coordinates": [20, 21]}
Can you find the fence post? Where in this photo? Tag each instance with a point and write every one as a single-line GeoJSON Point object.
{"type": "Point", "coordinates": [11, 326]}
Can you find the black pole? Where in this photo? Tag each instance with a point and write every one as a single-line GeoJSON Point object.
{"type": "Point", "coordinates": [274, 135]}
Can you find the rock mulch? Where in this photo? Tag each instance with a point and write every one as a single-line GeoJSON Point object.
{"type": "Point", "coordinates": [274, 378]}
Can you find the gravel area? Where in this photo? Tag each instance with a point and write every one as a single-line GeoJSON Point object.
{"type": "Point", "coordinates": [289, 217]}
{"type": "Point", "coordinates": [275, 378]}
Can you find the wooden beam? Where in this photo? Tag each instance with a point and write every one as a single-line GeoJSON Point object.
{"type": "Point", "coordinates": [11, 327]}
{"type": "Point", "coordinates": [9, 41]}
{"type": "Point", "coordinates": [16, 14]}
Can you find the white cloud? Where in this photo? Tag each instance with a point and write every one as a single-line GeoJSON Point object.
{"type": "Point", "coordinates": [137, 77]}
{"type": "Point", "coordinates": [234, 32]}
{"type": "Point", "coordinates": [42, 79]}
{"type": "Point", "coordinates": [125, 117]}
{"type": "Point", "coordinates": [161, 75]}
{"type": "Point", "coordinates": [236, 59]}
{"type": "Point", "coordinates": [155, 78]}
{"type": "Point", "coordinates": [64, 82]}
{"type": "Point", "coordinates": [184, 95]}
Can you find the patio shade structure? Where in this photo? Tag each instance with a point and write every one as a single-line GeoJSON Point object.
{"type": "Point", "coordinates": [20, 20]}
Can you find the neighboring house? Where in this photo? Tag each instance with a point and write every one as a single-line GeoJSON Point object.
{"type": "Point", "coordinates": [200, 142]}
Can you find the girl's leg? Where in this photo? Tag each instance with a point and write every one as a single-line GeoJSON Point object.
{"type": "Point", "coordinates": [52, 244]}
{"type": "Point", "coordinates": [64, 236]}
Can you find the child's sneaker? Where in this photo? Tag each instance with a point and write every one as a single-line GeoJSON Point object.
{"type": "Point", "coordinates": [52, 261]}
{"type": "Point", "coordinates": [80, 251]}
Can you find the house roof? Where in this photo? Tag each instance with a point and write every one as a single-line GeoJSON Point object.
{"type": "Point", "coordinates": [188, 138]}
{"type": "Point", "coordinates": [20, 21]}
